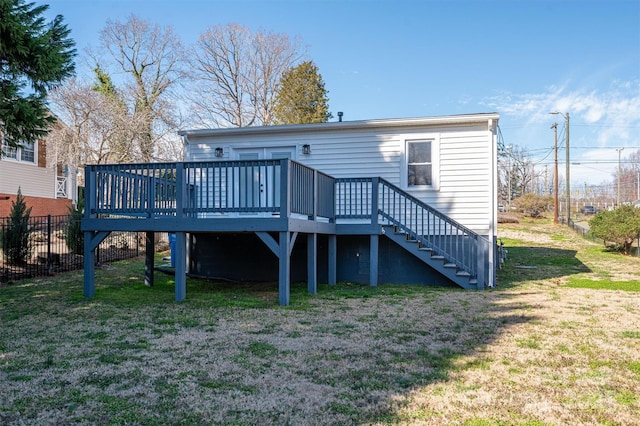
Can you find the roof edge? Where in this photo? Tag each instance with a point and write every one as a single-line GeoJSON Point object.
{"type": "Point", "coordinates": [337, 125]}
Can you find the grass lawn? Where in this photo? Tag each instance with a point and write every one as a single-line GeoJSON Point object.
{"type": "Point", "coordinates": [557, 342]}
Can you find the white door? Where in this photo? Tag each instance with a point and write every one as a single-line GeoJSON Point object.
{"type": "Point", "coordinates": [259, 185]}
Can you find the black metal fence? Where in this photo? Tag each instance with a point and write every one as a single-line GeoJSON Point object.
{"type": "Point", "coordinates": [46, 249]}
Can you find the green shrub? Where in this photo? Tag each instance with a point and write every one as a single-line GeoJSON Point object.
{"type": "Point", "coordinates": [15, 234]}
{"type": "Point", "coordinates": [74, 237]}
{"type": "Point", "coordinates": [619, 226]}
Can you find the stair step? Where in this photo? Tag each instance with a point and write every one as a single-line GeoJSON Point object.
{"type": "Point", "coordinates": [446, 267]}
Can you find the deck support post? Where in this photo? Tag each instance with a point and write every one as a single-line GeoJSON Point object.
{"type": "Point", "coordinates": [91, 240]}
{"type": "Point", "coordinates": [312, 263]}
{"type": "Point", "coordinates": [149, 253]}
{"type": "Point", "coordinates": [373, 260]}
{"type": "Point", "coordinates": [89, 266]}
{"type": "Point", "coordinates": [181, 267]}
{"type": "Point", "coordinates": [284, 275]}
{"type": "Point", "coordinates": [333, 259]}
{"type": "Point", "coordinates": [373, 240]}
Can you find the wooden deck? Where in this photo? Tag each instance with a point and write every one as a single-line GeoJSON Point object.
{"type": "Point", "coordinates": [277, 200]}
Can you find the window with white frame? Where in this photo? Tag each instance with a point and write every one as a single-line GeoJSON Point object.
{"type": "Point", "coordinates": [28, 152]}
{"type": "Point", "coordinates": [25, 153]}
{"type": "Point", "coordinates": [420, 163]}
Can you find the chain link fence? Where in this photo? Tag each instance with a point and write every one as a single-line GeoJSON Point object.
{"type": "Point", "coordinates": [45, 245]}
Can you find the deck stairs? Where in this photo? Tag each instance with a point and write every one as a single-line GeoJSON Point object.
{"type": "Point", "coordinates": [433, 237]}
{"type": "Point", "coordinates": [430, 256]}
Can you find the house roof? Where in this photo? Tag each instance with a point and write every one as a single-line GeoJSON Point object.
{"type": "Point", "coordinates": [343, 125]}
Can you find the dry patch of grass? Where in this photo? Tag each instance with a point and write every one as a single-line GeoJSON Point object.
{"type": "Point", "coordinates": [533, 351]}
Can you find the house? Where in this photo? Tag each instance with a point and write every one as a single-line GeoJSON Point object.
{"type": "Point", "coordinates": [47, 188]}
{"type": "Point", "coordinates": [409, 200]}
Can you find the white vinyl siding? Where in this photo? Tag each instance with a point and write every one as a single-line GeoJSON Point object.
{"type": "Point", "coordinates": [32, 181]}
{"type": "Point", "coordinates": [337, 154]}
{"type": "Point", "coordinates": [465, 179]}
{"type": "Point", "coordinates": [461, 158]}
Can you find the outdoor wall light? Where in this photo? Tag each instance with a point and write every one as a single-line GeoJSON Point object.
{"type": "Point", "coordinates": [219, 152]}
{"type": "Point", "coordinates": [306, 149]}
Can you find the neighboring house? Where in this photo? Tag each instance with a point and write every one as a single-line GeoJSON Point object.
{"type": "Point", "coordinates": [400, 200]}
{"type": "Point", "coordinates": [47, 189]}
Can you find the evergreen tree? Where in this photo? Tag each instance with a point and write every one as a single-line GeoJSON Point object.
{"type": "Point", "coordinates": [34, 57]}
{"type": "Point", "coordinates": [105, 85]}
{"type": "Point", "coordinates": [301, 97]}
{"type": "Point", "coordinates": [74, 235]}
{"type": "Point", "coordinates": [14, 235]}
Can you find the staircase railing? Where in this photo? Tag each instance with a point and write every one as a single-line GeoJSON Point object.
{"type": "Point", "coordinates": [384, 203]}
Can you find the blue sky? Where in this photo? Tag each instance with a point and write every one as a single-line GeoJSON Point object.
{"type": "Point", "coordinates": [402, 58]}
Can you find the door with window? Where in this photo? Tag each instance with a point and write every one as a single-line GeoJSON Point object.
{"type": "Point", "coordinates": [258, 185]}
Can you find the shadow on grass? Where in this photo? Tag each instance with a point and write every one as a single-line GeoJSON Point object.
{"type": "Point", "coordinates": [378, 343]}
{"type": "Point", "coordinates": [416, 351]}
{"type": "Point", "coordinates": [538, 263]}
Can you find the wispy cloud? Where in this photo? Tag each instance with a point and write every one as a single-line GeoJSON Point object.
{"type": "Point", "coordinates": [615, 112]}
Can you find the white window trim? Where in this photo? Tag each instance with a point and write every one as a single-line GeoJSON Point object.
{"type": "Point", "coordinates": [18, 158]}
{"type": "Point", "coordinates": [434, 138]}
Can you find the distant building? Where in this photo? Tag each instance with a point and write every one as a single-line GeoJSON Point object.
{"type": "Point", "coordinates": [48, 188]}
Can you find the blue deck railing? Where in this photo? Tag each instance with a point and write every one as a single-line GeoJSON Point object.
{"type": "Point", "coordinates": [207, 189]}
{"type": "Point", "coordinates": [278, 188]}
{"type": "Point", "coordinates": [383, 203]}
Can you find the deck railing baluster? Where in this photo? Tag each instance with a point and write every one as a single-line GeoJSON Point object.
{"type": "Point", "coordinates": [196, 189]}
{"type": "Point", "coordinates": [442, 234]}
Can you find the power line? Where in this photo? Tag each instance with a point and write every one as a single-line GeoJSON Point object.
{"type": "Point", "coordinates": [606, 125]}
{"type": "Point", "coordinates": [605, 147]}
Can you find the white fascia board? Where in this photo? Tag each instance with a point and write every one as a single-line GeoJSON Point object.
{"type": "Point", "coordinates": [343, 125]}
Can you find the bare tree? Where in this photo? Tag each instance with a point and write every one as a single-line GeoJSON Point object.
{"type": "Point", "coordinates": [629, 177]}
{"type": "Point", "coordinates": [151, 58]}
{"type": "Point", "coordinates": [273, 55]}
{"type": "Point", "coordinates": [95, 128]}
{"type": "Point", "coordinates": [515, 173]}
{"type": "Point", "coordinates": [236, 74]}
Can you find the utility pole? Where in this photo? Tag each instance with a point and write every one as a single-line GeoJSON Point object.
{"type": "Point", "coordinates": [585, 196]}
{"type": "Point", "coordinates": [509, 177]}
{"type": "Point", "coordinates": [566, 131]}
{"type": "Point", "coordinates": [568, 192]}
{"type": "Point", "coordinates": [555, 174]}
{"type": "Point", "coordinates": [533, 178]}
{"type": "Point", "coordinates": [619, 151]}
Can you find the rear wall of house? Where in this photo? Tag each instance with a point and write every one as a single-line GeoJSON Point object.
{"type": "Point", "coordinates": [464, 158]}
